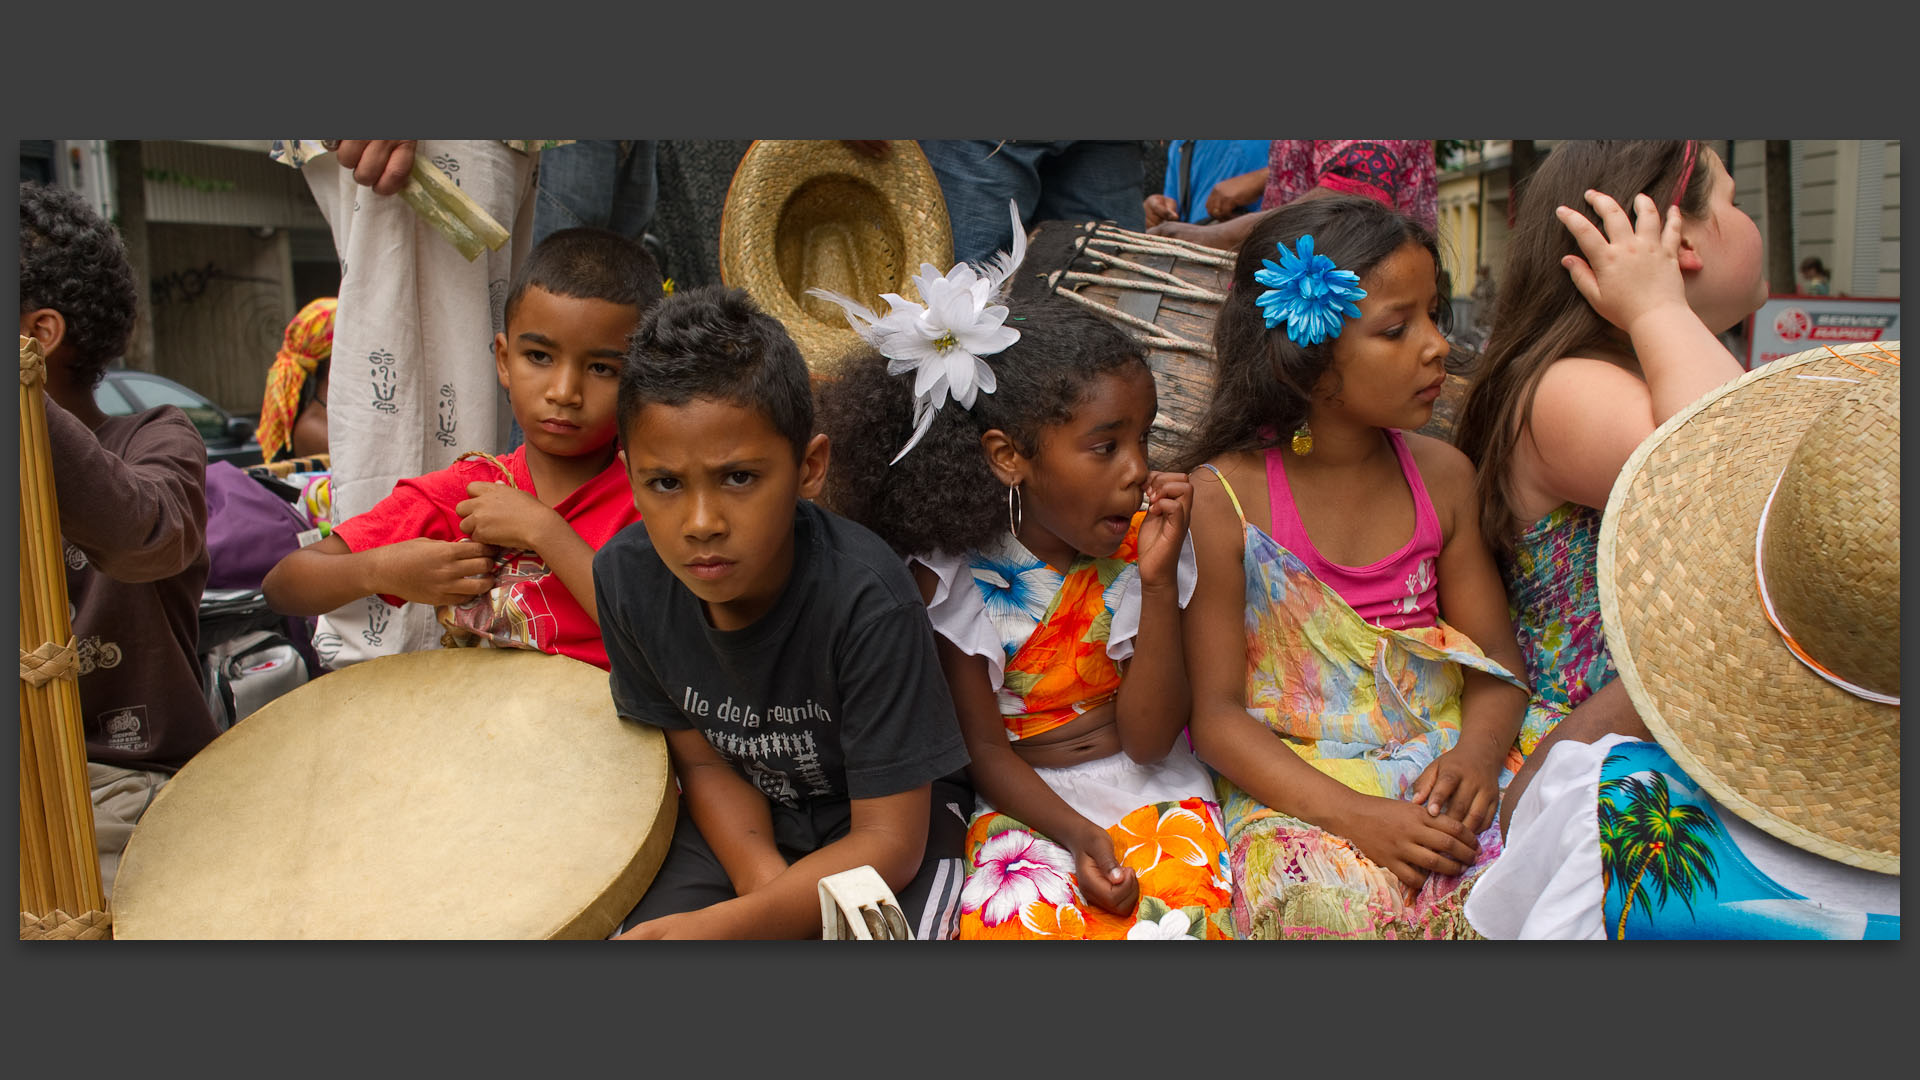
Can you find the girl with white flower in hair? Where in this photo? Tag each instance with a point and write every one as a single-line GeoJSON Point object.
{"type": "Point", "coordinates": [1003, 450]}
{"type": "Point", "coordinates": [1350, 654]}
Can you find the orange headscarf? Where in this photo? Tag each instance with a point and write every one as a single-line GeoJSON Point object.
{"type": "Point", "coordinates": [309, 340]}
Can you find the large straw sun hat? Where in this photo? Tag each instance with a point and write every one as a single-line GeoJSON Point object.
{"type": "Point", "coordinates": [1779, 491]}
{"type": "Point", "coordinates": [814, 213]}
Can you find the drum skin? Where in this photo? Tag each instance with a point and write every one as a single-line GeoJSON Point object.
{"type": "Point", "coordinates": [467, 793]}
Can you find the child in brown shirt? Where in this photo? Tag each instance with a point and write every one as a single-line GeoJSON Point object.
{"type": "Point", "coordinates": [132, 495]}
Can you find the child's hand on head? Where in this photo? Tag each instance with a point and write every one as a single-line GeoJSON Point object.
{"type": "Point", "coordinates": [427, 571]}
{"type": "Point", "coordinates": [1634, 269]}
{"type": "Point", "coordinates": [1103, 881]}
{"type": "Point", "coordinates": [1169, 506]}
{"type": "Point", "coordinates": [505, 516]}
{"type": "Point", "coordinates": [1406, 841]}
{"type": "Point", "coordinates": [1462, 784]}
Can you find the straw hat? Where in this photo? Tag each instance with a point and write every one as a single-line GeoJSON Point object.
{"type": "Point", "coordinates": [1779, 744]}
{"type": "Point", "coordinates": [810, 213]}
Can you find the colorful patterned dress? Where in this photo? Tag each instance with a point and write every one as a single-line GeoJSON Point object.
{"type": "Point", "coordinates": [1555, 603]}
{"type": "Point", "coordinates": [1052, 642]}
{"type": "Point", "coordinates": [1371, 707]}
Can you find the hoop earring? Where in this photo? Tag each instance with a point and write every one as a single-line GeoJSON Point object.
{"type": "Point", "coordinates": [1303, 440]}
{"type": "Point", "coordinates": [1015, 512]}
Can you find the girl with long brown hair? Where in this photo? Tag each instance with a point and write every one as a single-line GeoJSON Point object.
{"type": "Point", "coordinates": [1627, 258]}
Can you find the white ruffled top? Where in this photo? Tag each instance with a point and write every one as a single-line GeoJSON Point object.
{"type": "Point", "coordinates": [960, 614]}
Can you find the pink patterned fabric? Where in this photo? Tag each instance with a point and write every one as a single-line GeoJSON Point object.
{"type": "Point", "coordinates": [1397, 172]}
{"type": "Point", "coordinates": [1396, 592]}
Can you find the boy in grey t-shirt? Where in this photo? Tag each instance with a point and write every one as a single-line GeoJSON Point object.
{"type": "Point", "coordinates": [784, 650]}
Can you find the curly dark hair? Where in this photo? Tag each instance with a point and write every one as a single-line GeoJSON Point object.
{"type": "Point", "coordinates": [942, 496]}
{"type": "Point", "coordinates": [713, 342]}
{"type": "Point", "coordinates": [73, 261]}
{"type": "Point", "coordinates": [1264, 381]}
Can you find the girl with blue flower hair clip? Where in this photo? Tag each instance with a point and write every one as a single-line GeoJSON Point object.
{"type": "Point", "coordinates": [1356, 682]}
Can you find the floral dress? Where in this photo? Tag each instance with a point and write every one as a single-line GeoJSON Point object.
{"type": "Point", "coordinates": [1555, 603]}
{"type": "Point", "coordinates": [1369, 706]}
{"type": "Point", "coordinates": [1052, 643]}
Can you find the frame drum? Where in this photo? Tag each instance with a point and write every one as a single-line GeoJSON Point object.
{"type": "Point", "coordinates": [463, 793]}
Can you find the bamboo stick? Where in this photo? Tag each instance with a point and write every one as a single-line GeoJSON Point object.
{"type": "Point", "coordinates": [441, 204]}
{"type": "Point", "coordinates": [36, 867]}
{"type": "Point", "coordinates": [60, 866]}
{"type": "Point", "coordinates": [448, 195]}
{"type": "Point", "coordinates": [441, 218]}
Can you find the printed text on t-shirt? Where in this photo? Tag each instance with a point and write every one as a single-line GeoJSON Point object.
{"type": "Point", "coordinates": [747, 716]}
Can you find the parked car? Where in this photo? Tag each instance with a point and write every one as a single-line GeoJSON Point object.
{"type": "Point", "coordinates": [228, 438]}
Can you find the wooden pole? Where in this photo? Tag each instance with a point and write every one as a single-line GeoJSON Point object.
{"type": "Point", "coordinates": [1782, 274]}
{"type": "Point", "coordinates": [59, 861]}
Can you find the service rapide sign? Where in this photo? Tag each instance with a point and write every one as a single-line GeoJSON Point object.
{"type": "Point", "coordinates": [1785, 325]}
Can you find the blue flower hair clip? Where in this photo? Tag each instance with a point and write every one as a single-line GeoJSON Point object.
{"type": "Point", "coordinates": [1307, 293]}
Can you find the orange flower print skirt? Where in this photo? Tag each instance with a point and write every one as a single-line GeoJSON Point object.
{"type": "Point", "coordinates": [1020, 884]}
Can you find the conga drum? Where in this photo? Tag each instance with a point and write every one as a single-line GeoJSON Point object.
{"type": "Point", "coordinates": [466, 793]}
{"type": "Point", "coordinates": [1167, 293]}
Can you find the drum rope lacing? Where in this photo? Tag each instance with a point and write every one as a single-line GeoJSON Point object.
{"type": "Point", "coordinates": [1102, 246]}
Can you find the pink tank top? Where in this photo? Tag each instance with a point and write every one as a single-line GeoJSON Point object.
{"type": "Point", "coordinates": [1398, 591]}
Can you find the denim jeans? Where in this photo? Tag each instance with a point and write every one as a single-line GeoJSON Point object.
{"type": "Point", "coordinates": [1061, 180]}
{"type": "Point", "coordinates": [603, 183]}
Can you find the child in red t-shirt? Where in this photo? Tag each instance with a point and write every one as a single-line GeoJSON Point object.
{"type": "Point", "coordinates": [434, 539]}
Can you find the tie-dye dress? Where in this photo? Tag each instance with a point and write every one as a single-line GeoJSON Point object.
{"type": "Point", "coordinates": [1053, 643]}
{"type": "Point", "coordinates": [1371, 707]}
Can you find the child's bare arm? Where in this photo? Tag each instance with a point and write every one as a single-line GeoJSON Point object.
{"type": "Point", "coordinates": [1463, 783]}
{"type": "Point", "coordinates": [1235, 744]}
{"type": "Point", "coordinates": [733, 816]}
{"type": "Point", "coordinates": [324, 575]}
{"type": "Point", "coordinates": [1589, 415]}
{"type": "Point", "coordinates": [888, 833]}
{"type": "Point", "coordinates": [1154, 700]}
{"type": "Point", "coordinates": [507, 517]}
{"type": "Point", "coordinates": [1608, 711]}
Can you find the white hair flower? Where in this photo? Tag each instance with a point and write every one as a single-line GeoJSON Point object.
{"type": "Point", "coordinates": [942, 341]}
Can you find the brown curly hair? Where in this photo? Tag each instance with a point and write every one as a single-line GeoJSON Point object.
{"type": "Point", "coordinates": [73, 261]}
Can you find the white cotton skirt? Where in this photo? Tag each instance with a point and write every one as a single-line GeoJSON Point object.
{"type": "Point", "coordinates": [1107, 789]}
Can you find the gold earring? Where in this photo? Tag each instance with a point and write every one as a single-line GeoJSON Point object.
{"type": "Point", "coordinates": [1014, 510]}
{"type": "Point", "coordinates": [1303, 440]}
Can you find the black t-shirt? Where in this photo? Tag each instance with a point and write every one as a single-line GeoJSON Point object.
{"type": "Point", "coordinates": [835, 693]}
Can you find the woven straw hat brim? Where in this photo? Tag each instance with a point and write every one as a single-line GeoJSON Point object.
{"type": "Point", "coordinates": [806, 213]}
{"type": "Point", "coordinates": [1776, 744]}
